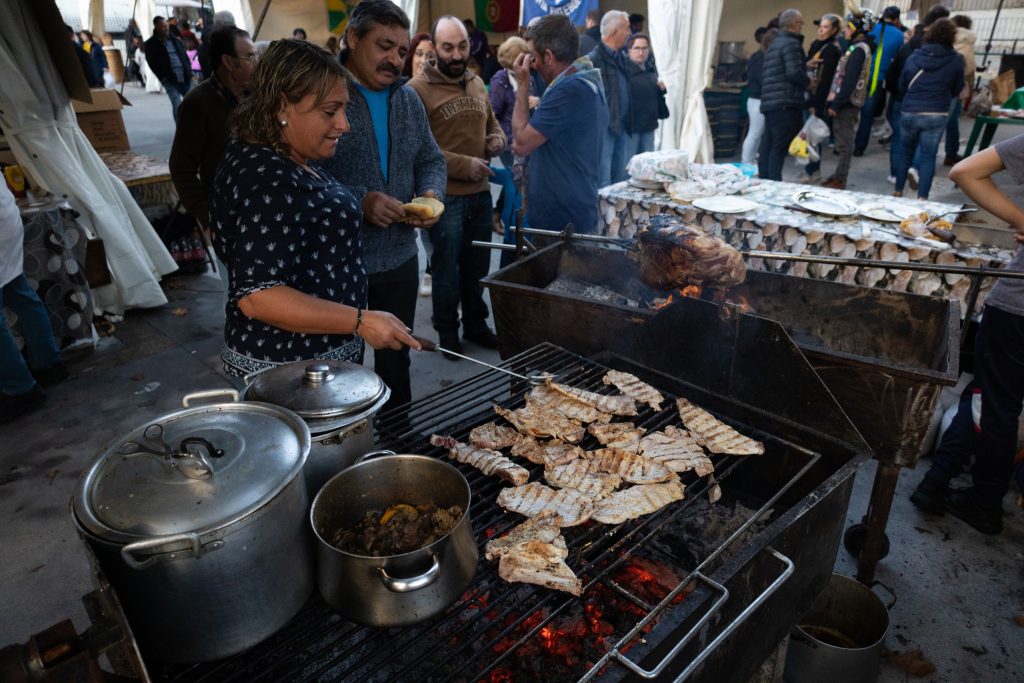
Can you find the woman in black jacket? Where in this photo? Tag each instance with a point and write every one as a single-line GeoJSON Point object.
{"type": "Point", "coordinates": [646, 92]}
{"type": "Point", "coordinates": [824, 57]}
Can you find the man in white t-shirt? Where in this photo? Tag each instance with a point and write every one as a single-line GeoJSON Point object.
{"type": "Point", "coordinates": [20, 392]}
{"type": "Point", "coordinates": [985, 426]}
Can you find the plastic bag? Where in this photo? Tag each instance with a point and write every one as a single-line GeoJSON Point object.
{"type": "Point", "coordinates": [805, 145]}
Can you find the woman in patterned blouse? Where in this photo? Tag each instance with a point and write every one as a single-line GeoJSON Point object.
{"type": "Point", "coordinates": [288, 232]}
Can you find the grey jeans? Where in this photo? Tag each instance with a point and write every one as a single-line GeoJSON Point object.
{"type": "Point", "coordinates": [844, 128]}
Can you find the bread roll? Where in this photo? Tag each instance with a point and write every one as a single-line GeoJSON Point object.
{"type": "Point", "coordinates": [423, 208]}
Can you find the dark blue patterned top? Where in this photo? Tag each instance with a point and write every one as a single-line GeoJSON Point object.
{"type": "Point", "coordinates": [277, 224]}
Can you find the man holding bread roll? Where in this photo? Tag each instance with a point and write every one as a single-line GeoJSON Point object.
{"type": "Point", "coordinates": [460, 116]}
{"type": "Point", "coordinates": [388, 159]}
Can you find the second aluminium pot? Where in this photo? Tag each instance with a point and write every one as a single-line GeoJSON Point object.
{"type": "Point", "coordinates": [395, 590]}
{"type": "Point", "coordinates": [337, 400]}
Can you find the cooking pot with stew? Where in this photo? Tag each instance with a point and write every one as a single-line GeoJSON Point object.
{"type": "Point", "coordinates": [414, 565]}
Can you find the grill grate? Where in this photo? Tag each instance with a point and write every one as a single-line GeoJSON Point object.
{"type": "Point", "coordinates": [470, 640]}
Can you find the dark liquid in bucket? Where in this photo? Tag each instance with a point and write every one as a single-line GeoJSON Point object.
{"type": "Point", "coordinates": [830, 636]}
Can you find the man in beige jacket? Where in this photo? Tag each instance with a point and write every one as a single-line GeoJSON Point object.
{"type": "Point", "coordinates": [466, 130]}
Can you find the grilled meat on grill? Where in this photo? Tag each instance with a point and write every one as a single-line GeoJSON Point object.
{"type": "Point", "coordinates": [542, 564]}
{"type": "Point", "coordinates": [616, 405]}
{"type": "Point", "coordinates": [534, 420]}
{"type": "Point", "coordinates": [718, 436]}
{"type": "Point", "coordinates": [573, 408]}
{"type": "Point", "coordinates": [488, 462]}
{"type": "Point", "coordinates": [678, 450]}
{"type": "Point", "coordinates": [631, 386]}
{"type": "Point", "coordinates": [636, 501]}
{"type": "Point", "coordinates": [674, 254]}
{"type": "Point", "coordinates": [545, 527]}
{"type": "Point", "coordinates": [548, 453]}
{"type": "Point", "coordinates": [532, 499]}
{"type": "Point", "coordinates": [636, 469]}
{"type": "Point", "coordinates": [494, 436]}
{"type": "Point", "coordinates": [584, 477]}
{"type": "Point", "coordinates": [622, 435]}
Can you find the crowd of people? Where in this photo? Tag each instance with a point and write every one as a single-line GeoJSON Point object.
{"type": "Point", "coordinates": [856, 70]}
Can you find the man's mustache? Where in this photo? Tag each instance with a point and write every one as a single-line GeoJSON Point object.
{"type": "Point", "coordinates": [389, 67]}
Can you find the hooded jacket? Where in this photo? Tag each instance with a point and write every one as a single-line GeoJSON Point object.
{"type": "Point", "coordinates": [460, 116]}
{"type": "Point", "coordinates": [931, 78]}
{"type": "Point", "coordinates": [415, 165]}
{"type": "Point", "coordinates": [964, 44]}
{"type": "Point", "coordinates": [784, 76]}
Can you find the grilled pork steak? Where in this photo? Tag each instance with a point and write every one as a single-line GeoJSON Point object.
{"type": "Point", "coordinates": [622, 435]}
{"type": "Point", "coordinates": [548, 453]}
{"type": "Point", "coordinates": [572, 408]}
{"type": "Point", "coordinates": [616, 405]}
{"type": "Point", "coordinates": [488, 462]}
{"type": "Point", "coordinates": [718, 436]}
{"type": "Point", "coordinates": [533, 499]}
{"type": "Point", "coordinates": [584, 477]}
{"type": "Point", "coordinates": [636, 501]}
{"type": "Point", "coordinates": [674, 254]}
{"type": "Point", "coordinates": [631, 386]}
{"type": "Point", "coordinates": [636, 469]}
{"type": "Point", "coordinates": [542, 564]}
{"type": "Point", "coordinates": [678, 450]}
{"type": "Point", "coordinates": [494, 437]}
{"type": "Point", "coordinates": [534, 420]}
{"type": "Point", "coordinates": [545, 527]}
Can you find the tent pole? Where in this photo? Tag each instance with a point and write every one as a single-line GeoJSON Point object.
{"type": "Point", "coordinates": [259, 23]}
{"type": "Point", "coordinates": [128, 44]}
{"type": "Point", "coordinates": [991, 35]}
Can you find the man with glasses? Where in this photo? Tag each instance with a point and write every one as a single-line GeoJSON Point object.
{"type": "Point", "coordinates": [167, 58]}
{"type": "Point", "coordinates": [202, 132]}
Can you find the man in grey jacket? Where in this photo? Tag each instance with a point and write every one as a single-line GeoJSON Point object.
{"type": "Point", "coordinates": [387, 158]}
{"type": "Point", "coordinates": [784, 81]}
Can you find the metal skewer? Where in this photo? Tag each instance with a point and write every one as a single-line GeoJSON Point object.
{"type": "Point", "coordinates": [532, 379]}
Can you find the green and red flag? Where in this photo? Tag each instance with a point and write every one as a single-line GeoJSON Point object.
{"type": "Point", "coordinates": [497, 16]}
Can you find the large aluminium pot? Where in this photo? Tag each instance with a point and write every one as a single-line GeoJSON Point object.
{"type": "Point", "coordinates": [395, 590]}
{"type": "Point", "coordinates": [198, 519]}
{"type": "Point", "coordinates": [337, 400]}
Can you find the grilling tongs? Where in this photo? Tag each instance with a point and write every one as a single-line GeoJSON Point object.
{"type": "Point", "coordinates": [532, 379]}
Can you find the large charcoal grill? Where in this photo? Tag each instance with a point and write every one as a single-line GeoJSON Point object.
{"type": "Point", "coordinates": [740, 599]}
{"type": "Point", "coordinates": [884, 355]}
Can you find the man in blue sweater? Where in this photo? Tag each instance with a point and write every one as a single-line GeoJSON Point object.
{"type": "Point", "coordinates": [888, 39]}
{"type": "Point", "coordinates": [387, 158]}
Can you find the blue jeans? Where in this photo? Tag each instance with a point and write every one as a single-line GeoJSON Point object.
{"type": "Point", "coordinates": [613, 161]}
{"type": "Point", "coordinates": [921, 133]}
{"type": "Point", "coordinates": [896, 144]}
{"type": "Point", "coordinates": [176, 91]}
{"type": "Point", "coordinates": [867, 117]}
{"type": "Point", "coordinates": [457, 266]}
{"type": "Point", "coordinates": [41, 348]}
{"type": "Point", "coordinates": [953, 128]}
{"type": "Point", "coordinates": [637, 143]}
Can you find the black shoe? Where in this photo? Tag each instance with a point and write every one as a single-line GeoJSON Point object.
{"type": "Point", "coordinates": [16, 405]}
{"type": "Point", "coordinates": [451, 344]}
{"type": "Point", "coordinates": [483, 337]}
{"type": "Point", "coordinates": [953, 160]}
{"type": "Point", "coordinates": [962, 504]}
{"type": "Point", "coordinates": [885, 140]}
{"type": "Point", "coordinates": [930, 496]}
{"type": "Point", "coordinates": [858, 152]}
{"type": "Point", "coordinates": [55, 374]}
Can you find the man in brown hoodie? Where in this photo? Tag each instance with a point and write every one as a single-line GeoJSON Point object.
{"type": "Point", "coordinates": [466, 130]}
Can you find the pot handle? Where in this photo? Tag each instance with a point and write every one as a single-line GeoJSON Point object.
{"type": "Point", "coordinates": [413, 583]}
{"type": "Point", "coordinates": [196, 549]}
{"type": "Point", "coordinates": [210, 393]}
{"type": "Point", "coordinates": [373, 454]}
{"type": "Point", "coordinates": [344, 432]}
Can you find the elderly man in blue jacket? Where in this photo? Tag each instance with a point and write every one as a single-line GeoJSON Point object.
{"type": "Point", "coordinates": [388, 158]}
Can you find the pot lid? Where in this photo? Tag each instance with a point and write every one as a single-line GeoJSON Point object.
{"type": "Point", "coordinates": [192, 470]}
{"type": "Point", "coordinates": [318, 389]}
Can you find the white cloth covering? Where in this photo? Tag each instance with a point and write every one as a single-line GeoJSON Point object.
{"type": "Point", "coordinates": [43, 133]}
{"type": "Point", "coordinates": [12, 237]}
{"type": "Point", "coordinates": [684, 34]}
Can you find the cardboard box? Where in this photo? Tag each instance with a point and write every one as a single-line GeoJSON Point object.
{"type": "Point", "coordinates": [101, 121]}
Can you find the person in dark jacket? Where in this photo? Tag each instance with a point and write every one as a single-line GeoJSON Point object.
{"type": "Point", "coordinates": [887, 37]}
{"type": "Point", "coordinates": [646, 92]}
{"type": "Point", "coordinates": [783, 83]}
{"type": "Point", "coordinates": [755, 119]}
{"type": "Point", "coordinates": [591, 36]}
{"type": "Point", "coordinates": [824, 57]}
{"type": "Point", "coordinates": [931, 78]}
{"type": "Point", "coordinates": [167, 58]}
{"type": "Point", "coordinates": [607, 57]}
{"type": "Point", "coordinates": [847, 96]}
{"type": "Point", "coordinates": [85, 61]}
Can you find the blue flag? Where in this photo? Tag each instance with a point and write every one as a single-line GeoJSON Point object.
{"type": "Point", "coordinates": [576, 10]}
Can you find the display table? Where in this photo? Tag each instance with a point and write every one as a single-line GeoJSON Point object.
{"type": "Point", "coordinates": [147, 178]}
{"type": "Point", "coordinates": [772, 227]}
{"type": "Point", "coordinates": [986, 125]}
{"type": "Point", "coordinates": [54, 258]}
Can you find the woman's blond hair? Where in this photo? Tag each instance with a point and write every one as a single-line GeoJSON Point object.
{"type": "Point", "coordinates": [510, 49]}
{"type": "Point", "coordinates": [288, 71]}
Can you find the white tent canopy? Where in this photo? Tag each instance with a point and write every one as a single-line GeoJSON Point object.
{"type": "Point", "coordinates": [41, 128]}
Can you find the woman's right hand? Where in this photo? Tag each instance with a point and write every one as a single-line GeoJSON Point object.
{"type": "Point", "coordinates": [382, 330]}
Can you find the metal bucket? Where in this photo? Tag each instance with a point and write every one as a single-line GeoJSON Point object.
{"type": "Point", "coordinates": [842, 639]}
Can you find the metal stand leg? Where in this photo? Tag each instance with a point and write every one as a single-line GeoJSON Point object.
{"type": "Point", "coordinates": [882, 492]}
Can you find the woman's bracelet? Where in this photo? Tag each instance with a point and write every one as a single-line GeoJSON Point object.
{"type": "Point", "coordinates": [359, 321]}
